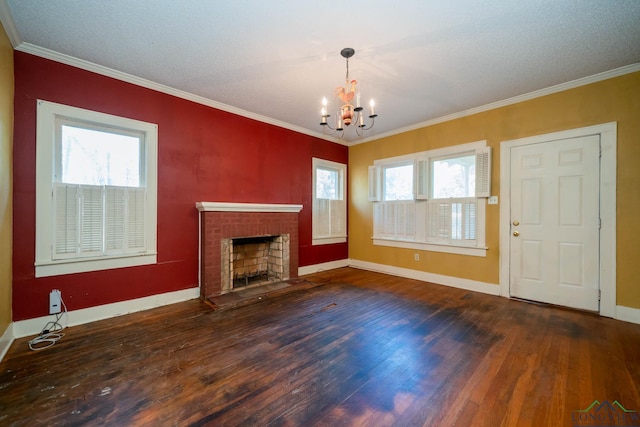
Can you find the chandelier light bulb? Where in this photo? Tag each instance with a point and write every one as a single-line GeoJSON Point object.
{"type": "Point", "coordinates": [323, 112]}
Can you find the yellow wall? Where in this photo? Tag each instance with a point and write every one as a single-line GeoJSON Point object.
{"type": "Point", "coordinates": [613, 100]}
{"type": "Point", "coordinates": [6, 178]}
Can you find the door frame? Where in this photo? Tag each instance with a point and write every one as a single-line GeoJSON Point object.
{"type": "Point", "coordinates": [608, 165]}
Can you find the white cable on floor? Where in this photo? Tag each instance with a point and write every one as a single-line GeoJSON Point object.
{"type": "Point", "coordinates": [51, 333]}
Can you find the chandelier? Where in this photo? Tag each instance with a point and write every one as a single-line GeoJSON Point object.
{"type": "Point", "coordinates": [348, 113]}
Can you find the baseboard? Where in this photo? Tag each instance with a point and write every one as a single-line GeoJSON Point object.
{"type": "Point", "coordinates": [456, 282]}
{"type": "Point", "coordinates": [331, 265]}
{"type": "Point", "coordinates": [625, 314]}
{"type": "Point", "coordinates": [29, 327]}
{"type": "Point", "coordinates": [628, 314]}
{"type": "Point", "coordinates": [24, 328]}
{"type": "Point", "coordinates": [6, 340]}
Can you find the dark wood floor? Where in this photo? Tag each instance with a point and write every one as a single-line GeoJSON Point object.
{"type": "Point", "coordinates": [361, 348]}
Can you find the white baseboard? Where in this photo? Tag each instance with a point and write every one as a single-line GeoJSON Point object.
{"type": "Point", "coordinates": [628, 314]}
{"type": "Point", "coordinates": [6, 340]}
{"type": "Point", "coordinates": [456, 282]}
{"type": "Point", "coordinates": [24, 328]}
{"type": "Point", "coordinates": [625, 314]}
{"type": "Point", "coordinates": [331, 265]}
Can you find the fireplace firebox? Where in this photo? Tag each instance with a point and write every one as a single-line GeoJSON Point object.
{"type": "Point", "coordinates": [252, 261]}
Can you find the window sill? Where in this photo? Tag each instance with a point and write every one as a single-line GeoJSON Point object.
{"type": "Point", "coordinates": [57, 268]}
{"type": "Point", "coordinates": [328, 240]}
{"type": "Point", "coordinates": [408, 244]}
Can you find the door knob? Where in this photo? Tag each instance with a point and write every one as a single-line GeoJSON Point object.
{"type": "Point", "coordinates": [516, 233]}
{"type": "Point", "coordinates": [516, 223]}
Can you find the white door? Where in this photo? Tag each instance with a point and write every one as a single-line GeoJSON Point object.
{"type": "Point", "coordinates": [554, 242]}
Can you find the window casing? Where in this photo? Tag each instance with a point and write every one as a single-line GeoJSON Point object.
{"type": "Point", "coordinates": [96, 185]}
{"type": "Point", "coordinates": [446, 212]}
{"type": "Point", "coordinates": [329, 207]}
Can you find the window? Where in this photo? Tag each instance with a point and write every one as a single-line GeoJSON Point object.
{"type": "Point", "coordinates": [95, 191]}
{"type": "Point", "coordinates": [453, 176]}
{"type": "Point", "coordinates": [398, 182]}
{"type": "Point", "coordinates": [452, 207]}
{"type": "Point", "coordinates": [433, 200]}
{"type": "Point", "coordinates": [329, 218]}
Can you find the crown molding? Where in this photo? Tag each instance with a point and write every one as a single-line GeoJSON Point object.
{"type": "Point", "coordinates": [617, 72]}
{"type": "Point", "coordinates": [9, 24]}
{"type": "Point", "coordinates": [129, 78]}
{"type": "Point", "coordinates": [19, 45]}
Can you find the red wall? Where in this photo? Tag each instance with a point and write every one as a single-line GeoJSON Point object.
{"type": "Point", "coordinates": [204, 154]}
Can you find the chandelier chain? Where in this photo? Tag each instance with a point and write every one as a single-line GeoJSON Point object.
{"type": "Point", "coordinates": [347, 78]}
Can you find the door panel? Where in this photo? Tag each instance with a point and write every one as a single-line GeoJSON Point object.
{"type": "Point", "coordinates": [554, 243]}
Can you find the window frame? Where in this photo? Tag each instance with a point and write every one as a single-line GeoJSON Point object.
{"type": "Point", "coordinates": [339, 207]}
{"type": "Point", "coordinates": [50, 117]}
{"type": "Point", "coordinates": [422, 192]}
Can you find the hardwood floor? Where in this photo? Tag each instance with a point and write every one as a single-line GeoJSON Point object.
{"type": "Point", "coordinates": [359, 349]}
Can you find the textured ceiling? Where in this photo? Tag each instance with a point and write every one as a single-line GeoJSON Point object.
{"type": "Point", "coordinates": [275, 60]}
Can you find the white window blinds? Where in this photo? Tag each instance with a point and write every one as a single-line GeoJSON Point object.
{"type": "Point", "coordinates": [95, 220]}
{"type": "Point", "coordinates": [452, 220]}
{"type": "Point", "coordinates": [329, 220]}
{"type": "Point", "coordinates": [395, 220]}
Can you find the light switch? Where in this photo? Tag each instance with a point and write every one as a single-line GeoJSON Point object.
{"type": "Point", "coordinates": [493, 200]}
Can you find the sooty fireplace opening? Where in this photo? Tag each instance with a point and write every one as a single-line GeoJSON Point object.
{"type": "Point", "coordinates": [251, 261]}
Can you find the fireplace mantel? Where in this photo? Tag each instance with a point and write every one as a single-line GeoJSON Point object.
{"type": "Point", "coordinates": [246, 207]}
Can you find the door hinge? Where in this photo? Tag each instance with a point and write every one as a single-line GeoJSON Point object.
{"type": "Point", "coordinates": [599, 294]}
{"type": "Point", "coordinates": [599, 223]}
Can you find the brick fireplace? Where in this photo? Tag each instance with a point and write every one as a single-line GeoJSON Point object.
{"type": "Point", "coordinates": [225, 225]}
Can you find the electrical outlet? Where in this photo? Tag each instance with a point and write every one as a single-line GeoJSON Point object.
{"type": "Point", "coordinates": [416, 257]}
{"type": "Point", "coordinates": [55, 302]}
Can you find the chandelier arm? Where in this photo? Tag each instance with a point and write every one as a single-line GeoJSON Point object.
{"type": "Point", "coordinates": [333, 130]}
{"type": "Point", "coordinates": [328, 133]}
{"type": "Point", "coordinates": [373, 122]}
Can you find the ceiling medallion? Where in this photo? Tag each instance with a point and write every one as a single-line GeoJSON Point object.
{"type": "Point", "coordinates": [347, 114]}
